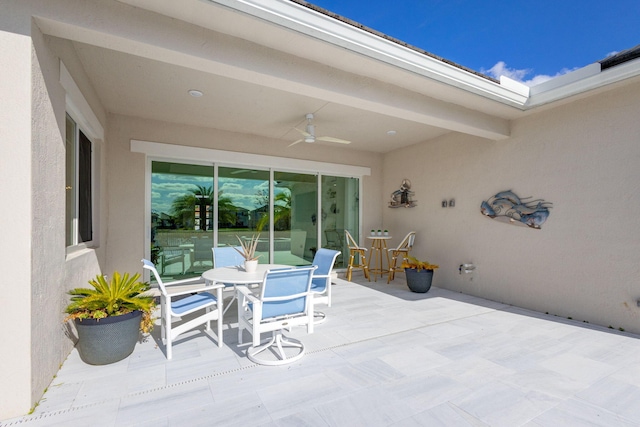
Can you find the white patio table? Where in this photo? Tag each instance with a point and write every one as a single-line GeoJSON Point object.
{"type": "Point", "coordinates": [236, 275]}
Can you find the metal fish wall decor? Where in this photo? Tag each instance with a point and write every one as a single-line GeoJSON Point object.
{"type": "Point", "coordinates": [508, 207]}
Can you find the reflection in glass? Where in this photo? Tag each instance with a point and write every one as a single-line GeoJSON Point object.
{"type": "Point", "coordinates": [295, 218]}
{"type": "Point", "coordinates": [243, 208]}
{"type": "Point", "coordinates": [340, 201]}
{"type": "Point", "coordinates": [181, 219]}
{"type": "Point", "coordinates": [187, 217]}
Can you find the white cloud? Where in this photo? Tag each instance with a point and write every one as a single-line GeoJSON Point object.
{"type": "Point", "coordinates": [501, 69]}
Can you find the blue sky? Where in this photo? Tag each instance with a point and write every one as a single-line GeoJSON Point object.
{"type": "Point", "coordinates": [529, 41]}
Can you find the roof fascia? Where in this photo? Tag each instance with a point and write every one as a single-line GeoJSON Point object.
{"type": "Point", "coordinates": [581, 81]}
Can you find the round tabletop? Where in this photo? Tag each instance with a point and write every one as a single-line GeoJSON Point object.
{"type": "Point", "coordinates": [379, 237]}
{"type": "Point", "coordinates": [238, 276]}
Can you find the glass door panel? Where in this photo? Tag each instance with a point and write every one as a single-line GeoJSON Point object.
{"type": "Point", "coordinates": [243, 208]}
{"type": "Point", "coordinates": [181, 219]}
{"type": "Point", "coordinates": [295, 208]}
{"type": "Point", "coordinates": [340, 210]}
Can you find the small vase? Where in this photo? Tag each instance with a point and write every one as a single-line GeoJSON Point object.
{"type": "Point", "coordinates": [379, 233]}
{"type": "Point", "coordinates": [386, 233]}
{"type": "Point", "coordinates": [250, 265]}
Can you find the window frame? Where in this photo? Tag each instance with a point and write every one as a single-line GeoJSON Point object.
{"type": "Point", "coordinates": [79, 110]}
{"type": "Point", "coordinates": [75, 243]}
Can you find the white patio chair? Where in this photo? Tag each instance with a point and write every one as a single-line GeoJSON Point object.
{"type": "Point", "coordinates": [227, 256]}
{"type": "Point", "coordinates": [324, 260]}
{"type": "Point", "coordinates": [183, 298]}
{"type": "Point", "coordinates": [282, 301]}
{"type": "Point", "coordinates": [401, 251]}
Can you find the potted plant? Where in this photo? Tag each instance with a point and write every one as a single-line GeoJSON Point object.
{"type": "Point", "coordinates": [419, 274]}
{"type": "Point", "coordinates": [249, 253]}
{"type": "Point", "coordinates": [110, 316]}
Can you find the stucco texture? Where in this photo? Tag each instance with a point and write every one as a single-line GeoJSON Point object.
{"type": "Point", "coordinates": [583, 157]}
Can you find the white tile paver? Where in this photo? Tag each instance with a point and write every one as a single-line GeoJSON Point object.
{"type": "Point", "coordinates": [384, 357]}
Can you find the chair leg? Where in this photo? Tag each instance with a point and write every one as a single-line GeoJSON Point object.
{"type": "Point", "coordinates": [365, 266]}
{"type": "Point", "coordinates": [392, 268]}
{"type": "Point", "coordinates": [350, 267]}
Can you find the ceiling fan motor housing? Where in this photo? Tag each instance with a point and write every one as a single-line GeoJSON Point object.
{"type": "Point", "coordinates": [311, 131]}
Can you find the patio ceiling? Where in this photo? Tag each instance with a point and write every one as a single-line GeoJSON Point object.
{"type": "Point", "coordinates": [261, 78]}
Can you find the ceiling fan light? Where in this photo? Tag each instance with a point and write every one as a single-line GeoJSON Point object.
{"type": "Point", "coordinates": [309, 139]}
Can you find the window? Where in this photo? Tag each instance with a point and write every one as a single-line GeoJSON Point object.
{"type": "Point", "coordinates": [79, 185]}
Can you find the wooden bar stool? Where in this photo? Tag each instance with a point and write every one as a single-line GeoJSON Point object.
{"type": "Point", "coordinates": [402, 252]}
{"type": "Point", "coordinates": [354, 249]}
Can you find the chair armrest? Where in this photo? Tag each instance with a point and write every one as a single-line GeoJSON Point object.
{"type": "Point", "coordinates": [191, 289]}
{"type": "Point", "coordinates": [246, 293]}
{"type": "Point", "coordinates": [190, 281]}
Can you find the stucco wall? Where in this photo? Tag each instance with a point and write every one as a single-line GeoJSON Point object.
{"type": "Point", "coordinates": [36, 270]}
{"type": "Point", "coordinates": [15, 253]}
{"type": "Point", "coordinates": [584, 157]}
{"type": "Point", "coordinates": [126, 176]}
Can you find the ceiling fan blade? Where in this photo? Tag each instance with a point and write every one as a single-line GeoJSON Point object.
{"type": "Point", "coordinates": [304, 133]}
{"type": "Point", "coordinates": [332, 139]}
{"type": "Point", "coordinates": [295, 142]}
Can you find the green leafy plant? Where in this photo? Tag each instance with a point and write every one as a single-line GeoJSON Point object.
{"type": "Point", "coordinates": [248, 247]}
{"type": "Point", "coordinates": [416, 264]}
{"type": "Point", "coordinates": [121, 295]}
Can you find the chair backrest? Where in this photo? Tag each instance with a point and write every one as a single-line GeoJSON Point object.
{"type": "Point", "coordinates": [407, 242]}
{"type": "Point", "coordinates": [227, 256]}
{"type": "Point", "coordinates": [286, 291]}
{"type": "Point", "coordinates": [149, 266]}
{"type": "Point", "coordinates": [350, 240]}
{"type": "Point", "coordinates": [323, 260]}
{"type": "Point", "coordinates": [202, 248]}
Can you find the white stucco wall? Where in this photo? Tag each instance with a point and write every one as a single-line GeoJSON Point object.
{"type": "Point", "coordinates": [36, 270]}
{"type": "Point", "coordinates": [126, 177]}
{"type": "Point", "coordinates": [584, 262]}
{"type": "Point", "coordinates": [15, 254]}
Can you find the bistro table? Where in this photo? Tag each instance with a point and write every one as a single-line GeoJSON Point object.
{"type": "Point", "coordinates": [236, 275]}
{"type": "Point", "coordinates": [378, 245]}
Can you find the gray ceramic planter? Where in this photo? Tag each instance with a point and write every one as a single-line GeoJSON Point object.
{"type": "Point", "coordinates": [108, 340]}
{"type": "Point", "coordinates": [418, 281]}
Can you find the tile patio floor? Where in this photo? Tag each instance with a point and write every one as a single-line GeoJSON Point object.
{"type": "Point", "coordinates": [385, 357]}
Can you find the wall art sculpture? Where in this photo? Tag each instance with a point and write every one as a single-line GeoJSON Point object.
{"type": "Point", "coordinates": [508, 207]}
{"type": "Point", "coordinates": [402, 198]}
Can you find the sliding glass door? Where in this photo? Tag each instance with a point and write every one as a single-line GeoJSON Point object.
{"type": "Point", "coordinates": [340, 211]}
{"type": "Point", "coordinates": [243, 208]}
{"type": "Point", "coordinates": [295, 218]}
{"type": "Point", "coordinates": [182, 220]}
{"type": "Point", "coordinates": [197, 207]}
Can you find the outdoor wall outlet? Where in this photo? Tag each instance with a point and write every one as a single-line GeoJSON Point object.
{"type": "Point", "coordinates": [444, 203]}
{"type": "Point", "coordinates": [452, 203]}
{"type": "Point", "coordinates": [638, 303]}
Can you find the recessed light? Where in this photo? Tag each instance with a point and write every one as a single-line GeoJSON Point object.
{"type": "Point", "coordinates": [391, 132]}
{"type": "Point", "coordinates": [195, 93]}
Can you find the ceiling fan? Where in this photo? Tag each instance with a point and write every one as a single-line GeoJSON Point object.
{"type": "Point", "coordinates": [309, 134]}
